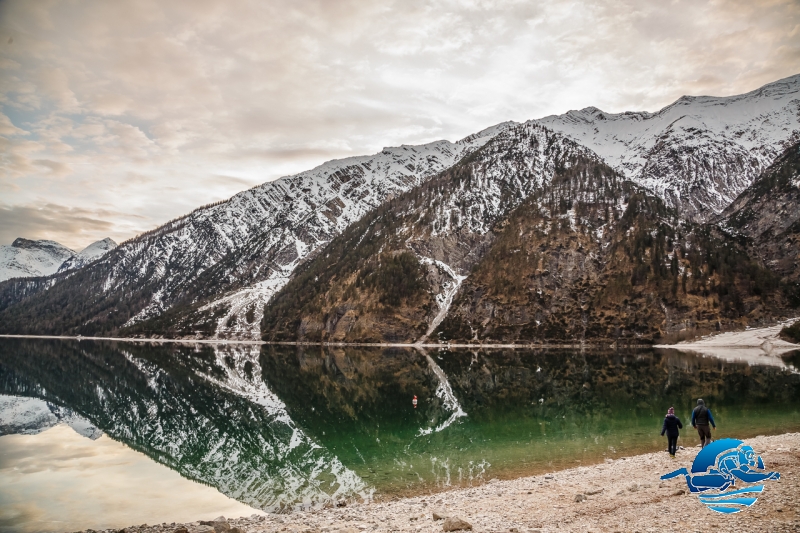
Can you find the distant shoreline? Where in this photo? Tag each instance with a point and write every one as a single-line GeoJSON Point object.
{"type": "Point", "coordinates": [747, 338]}
{"type": "Point", "coordinates": [585, 345]}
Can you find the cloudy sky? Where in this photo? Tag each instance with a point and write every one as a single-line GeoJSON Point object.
{"type": "Point", "coordinates": [118, 116]}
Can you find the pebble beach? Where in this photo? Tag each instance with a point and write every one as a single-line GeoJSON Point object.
{"type": "Point", "coordinates": [622, 495]}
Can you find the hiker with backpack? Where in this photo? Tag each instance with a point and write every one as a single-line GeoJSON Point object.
{"type": "Point", "coordinates": [701, 417]}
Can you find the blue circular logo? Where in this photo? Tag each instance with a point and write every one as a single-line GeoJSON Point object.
{"type": "Point", "coordinates": [726, 475]}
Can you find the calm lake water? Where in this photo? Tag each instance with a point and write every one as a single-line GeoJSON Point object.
{"type": "Point", "coordinates": [236, 428]}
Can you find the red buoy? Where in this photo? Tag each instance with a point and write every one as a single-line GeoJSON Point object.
{"type": "Point", "coordinates": [414, 402]}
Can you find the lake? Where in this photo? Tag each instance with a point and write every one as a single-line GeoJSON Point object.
{"type": "Point", "coordinates": [106, 434]}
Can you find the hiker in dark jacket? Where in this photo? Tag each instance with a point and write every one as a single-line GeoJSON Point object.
{"type": "Point", "coordinates": [671, 426]}
{"type": "Point", "coordinates": [701, 417]}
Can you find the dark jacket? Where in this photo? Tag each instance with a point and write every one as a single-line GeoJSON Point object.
{"type": "Point", "coordinates": [701, 416]}
{"type": "Point", "coordinates": [671, 426]}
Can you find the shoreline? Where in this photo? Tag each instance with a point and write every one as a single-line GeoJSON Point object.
{"type": "Point", "coordinates": [624, 494]}
{"type": "Point", "coordinates": [324, 344]}
{"type": "Point", "coordinates": [764, 339]}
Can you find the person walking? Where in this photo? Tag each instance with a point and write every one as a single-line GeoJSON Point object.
{"type": "Point", "coordinates": [672, 425]}
{"type": "Point", "coordinates": [701, 417]}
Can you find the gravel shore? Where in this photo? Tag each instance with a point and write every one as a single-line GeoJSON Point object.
{"type": "Point", "coordinates": [623, 495]}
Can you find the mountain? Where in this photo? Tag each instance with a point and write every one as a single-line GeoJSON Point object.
{"type": "Point", "coordinates": [212, 272]}
{"type": "Point", "coordinates": [87, 255]}
{"type": "Point", "coordinates": [698, 153]}
{"type": "Point", "coordinates": [577, 253]}
{"type": "Point", "coordinates": [391, 276]}
{"type": "Point", "coordinates": [232, 256]}
{"type": "Point", "coordinates": [26, 258]}
{"type": "Point", "coordinates": [592, 271]}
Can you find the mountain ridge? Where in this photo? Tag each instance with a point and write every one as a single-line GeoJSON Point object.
{"type": "Point", "coordinates": [697, 153]}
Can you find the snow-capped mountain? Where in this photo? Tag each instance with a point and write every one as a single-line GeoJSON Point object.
{"type": "Point", "coordinates": [445, 223]}
{"type": "Point", "coordinates": [698, 153]}
{"type": "Point", "coordinates": [25, 258]}
{"type": "Point", "coordinates": [211, 272]}
{"type": "Point", "coordinates": [88, 254]}
{"type": "Point", "coordinates": [275, 226]}
{"type": "Point", "coordinates": [247, 246]}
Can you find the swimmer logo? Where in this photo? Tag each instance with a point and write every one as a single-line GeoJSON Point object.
{"type": "Point", "coordinates": [718, 467]}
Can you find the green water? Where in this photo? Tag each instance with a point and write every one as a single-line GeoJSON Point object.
{"type": "Point", "coordinates": [527, 411]}
{"type": "Point", "coordinates": [275, 427]}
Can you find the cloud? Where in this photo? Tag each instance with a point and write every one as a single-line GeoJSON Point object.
{"type": "Point", "coordinates": [186, 91]}
{"type": "Point", "coordinates": [56, 168]}
{"type": "Point", "coordinates": [71, 227]}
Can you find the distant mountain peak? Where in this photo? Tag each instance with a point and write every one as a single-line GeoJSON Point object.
{"type": "Point", "coordinates": [698, 153]}
{"type": "Point", "coordinates": [30, 258]}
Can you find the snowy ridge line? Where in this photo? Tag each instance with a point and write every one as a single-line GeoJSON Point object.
{"type": "Point", "coordinates": [697, 153]}
{"type": "Point", "coordinates": [25, 258]}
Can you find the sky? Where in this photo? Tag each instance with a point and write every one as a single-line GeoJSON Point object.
{"type": "Point", "coordinates": [118, 116]}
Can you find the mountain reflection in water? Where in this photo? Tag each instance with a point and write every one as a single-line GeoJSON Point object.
{"type": "Point", "coordinates": [281, 426]}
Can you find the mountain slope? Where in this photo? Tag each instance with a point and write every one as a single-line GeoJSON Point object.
{"type": "Point", "coordinates": [577, 254]}
{"type": "Point", "coordinates": [26, 258]}
{"type": "Point", "coordinates": [619, 267]}
{"type": "Point", "coordinates": [391, 276]}
{"type": "Point", "coordinates": [768, 213]}
{"type": "Point", "coordinates": [698, 153]}
{"type": "Point", "coordinates": [251, 242]}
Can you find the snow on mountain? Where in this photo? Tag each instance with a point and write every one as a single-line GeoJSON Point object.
{"type": "Point", "coordinates": [252, 242]}
{"type": "Point", "coordinates": [87, 255]}
{"type": "Point", "coordinates": [698, 153]}
{"type": "Point", "coordinates": [26, 258]}
{"type": "Point", "coordinates": [447, 223]}
{"type": "Point", "coordinates": [31, 416]}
